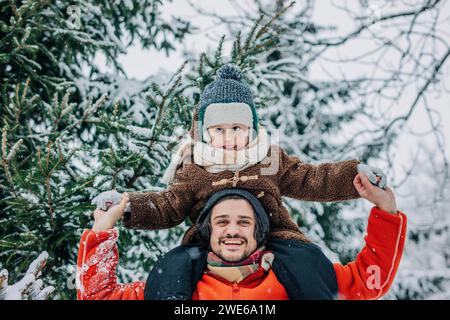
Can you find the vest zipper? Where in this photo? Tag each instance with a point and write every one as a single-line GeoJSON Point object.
{"type": "Point", "coordinates": [236, 294]}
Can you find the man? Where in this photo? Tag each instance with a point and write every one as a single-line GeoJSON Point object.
{"type": "Point", "coordinates": [238, 266]}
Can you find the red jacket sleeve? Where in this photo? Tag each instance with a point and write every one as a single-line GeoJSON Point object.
{"type": "Point", "coordinates": [371, 274]}
{"type": "Point", "coordinates": [96, 269]}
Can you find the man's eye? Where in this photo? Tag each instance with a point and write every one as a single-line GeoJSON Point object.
{"type": "Point", "coordinates": [219, 130]}
{"type": "Point", "coordinates": [245, 222]}
{"type": "Point", "coordinates": [236, 128]}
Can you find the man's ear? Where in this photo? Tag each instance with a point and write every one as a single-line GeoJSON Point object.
{"type": "Point", "coordinates": [204, 229]}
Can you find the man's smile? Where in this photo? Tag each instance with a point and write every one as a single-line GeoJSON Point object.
{"type": "Point", "coordinates": [233, 243]}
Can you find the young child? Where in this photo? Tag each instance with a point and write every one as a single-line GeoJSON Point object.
{"type": "Point", "coordinates": [228, 148]}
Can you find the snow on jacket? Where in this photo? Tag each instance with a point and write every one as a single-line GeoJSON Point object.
{"type": "Point", "coordinates": [369, 276]}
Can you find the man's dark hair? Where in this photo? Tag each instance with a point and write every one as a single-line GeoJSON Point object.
{"type": "Point", "coordinates": [260, 234]}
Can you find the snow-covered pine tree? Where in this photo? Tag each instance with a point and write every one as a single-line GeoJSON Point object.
{"type": "Point", "coordinates": [43, 204]}
{"type": "Point", "coordinates": [50, 94]}
{"type": "Point", "coordinates": [55, 42]}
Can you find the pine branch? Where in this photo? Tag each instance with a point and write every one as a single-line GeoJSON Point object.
{"type": "Point", "coordinates": [166, 98]}
{"type": "Point", "coordinates": [13, 8]}
{"type": "Point", "coordinates": [7, 157]}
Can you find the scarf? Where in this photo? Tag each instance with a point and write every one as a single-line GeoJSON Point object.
{"type": "Point", "coordinates": [215, 159]}
{"type": "Point", "coordinates": [237, 271]}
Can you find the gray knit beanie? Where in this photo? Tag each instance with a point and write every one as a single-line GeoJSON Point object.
{"type": "Point", "coordinates": [228, 99]}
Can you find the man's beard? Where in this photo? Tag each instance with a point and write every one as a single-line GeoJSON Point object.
{"type": "Point", "coordinates": [244, 255]}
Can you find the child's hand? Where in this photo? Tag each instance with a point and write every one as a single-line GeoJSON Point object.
{"type": "Point", "coordinates": [126, 196]}
{"type": "Point", "coordinates": [383, 199]}
{"type": "Point", "coordinates": [107, 219]}
{"type": "Point", "coordinates": [375, 175]}
{"type": "Point", "coordinates": [107, 199]}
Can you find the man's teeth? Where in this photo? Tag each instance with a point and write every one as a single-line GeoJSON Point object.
{"type": "Point", "coordinates": [232, 242]}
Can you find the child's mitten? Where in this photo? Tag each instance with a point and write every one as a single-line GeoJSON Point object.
{"type": "Point", "coordinates": [107, 199]}
{"type": "Point", "coordinates": [372, 173]}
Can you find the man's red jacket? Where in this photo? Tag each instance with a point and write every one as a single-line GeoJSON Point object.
{"type": "Point", "coordinates": [369, 276]}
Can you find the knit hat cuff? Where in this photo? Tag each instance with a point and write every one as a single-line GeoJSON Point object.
{"type": "Point", "coordinates": [235, 112]}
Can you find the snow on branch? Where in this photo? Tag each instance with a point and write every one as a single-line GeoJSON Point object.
{"type": "Point", "coordinates": [30, 287]}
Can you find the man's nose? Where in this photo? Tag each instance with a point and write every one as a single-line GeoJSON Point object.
{"type": "Point", "coordinates": [232, 230]}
